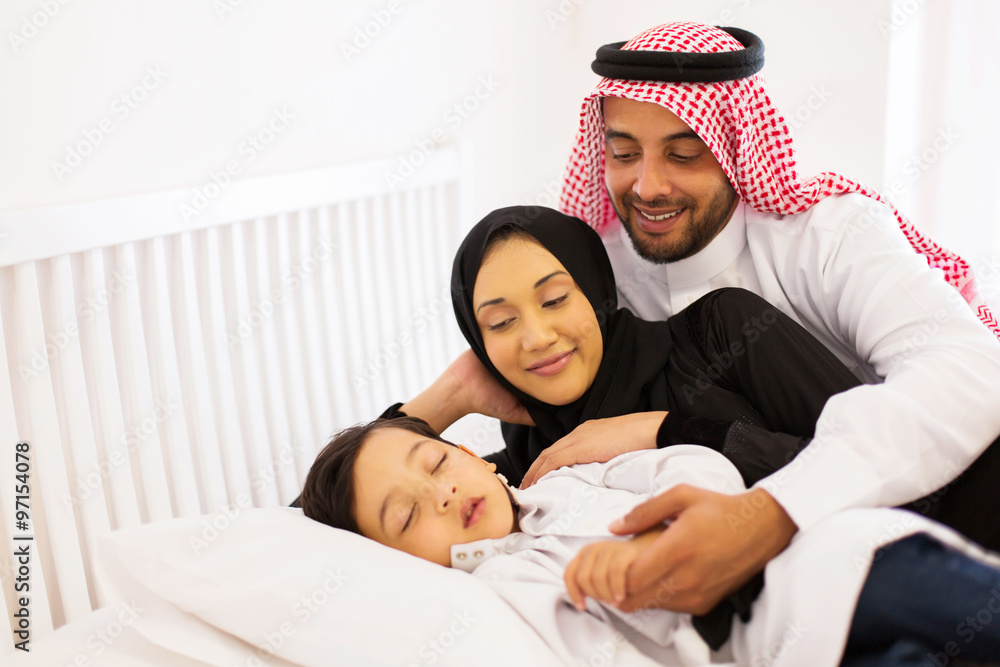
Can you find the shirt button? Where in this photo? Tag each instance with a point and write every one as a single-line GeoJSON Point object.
{"type": "Point", "coordinates": [460, 555]}
{"type": "Point", "coordinates": [477, 554]}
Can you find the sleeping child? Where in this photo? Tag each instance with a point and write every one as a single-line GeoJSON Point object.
{"type": "Point", "coordinates": [547, 551]}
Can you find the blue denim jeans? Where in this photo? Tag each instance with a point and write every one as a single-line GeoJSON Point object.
{"type": "Point", "coordinates": [925, 604]}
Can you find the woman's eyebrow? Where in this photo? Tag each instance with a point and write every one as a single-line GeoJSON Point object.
{"type": "Point", "coordinates": [539, 283]}
{"type": "Point", "coordinates": [546, 278]}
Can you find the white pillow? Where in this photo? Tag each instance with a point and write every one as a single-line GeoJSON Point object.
{"type": "Point", "coordinates": [315, 595]}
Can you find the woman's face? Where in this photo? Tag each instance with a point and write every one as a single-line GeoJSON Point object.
{"type": "Point", "coordinates": [539, 329]}
{"type": "Point", "coordinates": [423, 496]}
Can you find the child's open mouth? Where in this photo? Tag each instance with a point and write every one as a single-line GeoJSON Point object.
{"type": "Point", "coordinates": [472, 511]}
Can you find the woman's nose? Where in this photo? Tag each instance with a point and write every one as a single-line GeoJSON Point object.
{"type": "Point", "coordinates": [538, 334]}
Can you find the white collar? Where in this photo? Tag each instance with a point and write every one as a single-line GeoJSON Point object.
{"type": "Point", "coordinates": [704, 265]}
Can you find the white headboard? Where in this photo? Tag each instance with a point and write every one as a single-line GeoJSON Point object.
{"type": "Point", "coordinates": [187, 352]}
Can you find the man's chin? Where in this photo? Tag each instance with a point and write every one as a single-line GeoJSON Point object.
{"type": "Point", "coordinates": [655, 248]}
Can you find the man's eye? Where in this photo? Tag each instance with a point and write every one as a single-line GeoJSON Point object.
{"type": "Point", "coordinates": [677, 157]}
{"type": "Point", "coordinates": [555, 302]}
{"type": "Point", "coordinates": [622, 157]}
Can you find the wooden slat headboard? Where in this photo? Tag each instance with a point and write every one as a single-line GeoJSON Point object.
{"type": "Point", "coordinates": [162, 363]}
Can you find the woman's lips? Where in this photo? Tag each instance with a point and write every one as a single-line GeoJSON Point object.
{"type": "Point", "coordinates": [657, 222]}
{"type": "Point", "coordinates": [552, 364]}
{"type": "Point", "coordinates": [472, 511]}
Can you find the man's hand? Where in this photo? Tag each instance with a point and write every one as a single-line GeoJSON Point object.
{"type": "Point", "coordinates": [597, 440]}
{"type": "Point", "coordinates": [601, 568]}
{"type": "Point", "coordinates": [463, 388]}
{"type": "Point", "coordinates": [714, 544]}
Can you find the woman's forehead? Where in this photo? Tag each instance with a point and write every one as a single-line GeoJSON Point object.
{"type": "Point", "coordinates": [517, 253]}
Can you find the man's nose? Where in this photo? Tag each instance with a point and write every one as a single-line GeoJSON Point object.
{"type": "Point", "coordinates": [652, 181]}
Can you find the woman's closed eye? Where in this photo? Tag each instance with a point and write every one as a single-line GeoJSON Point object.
{"type": "Point", "coordinates": [551, 303]}
{"type": "Point", "coordinates": [500, 325]}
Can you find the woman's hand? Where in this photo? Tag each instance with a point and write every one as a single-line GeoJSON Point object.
{"type": "Point", "coordinates": [463, 388]}
{"type": "Point", "coordinates": [598, 440]}
{"type": "Point", "coordinates": [600, 570]}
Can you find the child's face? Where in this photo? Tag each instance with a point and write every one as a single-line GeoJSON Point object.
{"type": "Point", "coordinates": [538, 328]}
{"type": "Point", "coordinates": [422, 496]}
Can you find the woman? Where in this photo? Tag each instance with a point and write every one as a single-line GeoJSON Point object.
{"type": "Point", "coordinates": [730, 371]}
{"type": "Point", "coordinates": [535, 297]}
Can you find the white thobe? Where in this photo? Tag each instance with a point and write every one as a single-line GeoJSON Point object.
{"type": "Point", "coordinates": [844, 270]}
{"type": "Point", "coordinates": [802, 617]}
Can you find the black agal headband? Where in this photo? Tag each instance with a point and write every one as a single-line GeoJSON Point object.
{"type": "Point", "coordinates": [682, 67]}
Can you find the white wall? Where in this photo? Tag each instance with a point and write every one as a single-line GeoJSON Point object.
{"type": "Point", "coordinates": [225, 66]}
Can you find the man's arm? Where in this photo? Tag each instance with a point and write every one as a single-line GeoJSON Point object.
{"type": "Point", "coordinates": [888, 444]}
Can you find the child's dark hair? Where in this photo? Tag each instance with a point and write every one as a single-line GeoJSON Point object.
{"type": "Point", "coordinates": [328, 494]}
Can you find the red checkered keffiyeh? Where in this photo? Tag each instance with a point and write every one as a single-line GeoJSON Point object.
{"type": "Point", "coordinates": [748, 136]}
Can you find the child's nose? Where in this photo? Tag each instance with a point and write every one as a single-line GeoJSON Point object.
{"type": "Point", "coordinates": [446, 495]}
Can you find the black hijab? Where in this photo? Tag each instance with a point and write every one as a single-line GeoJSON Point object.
{"type": "Point", "coordinates": [630, 377]}
{"type": "Point", "coordinates": [633, 375]}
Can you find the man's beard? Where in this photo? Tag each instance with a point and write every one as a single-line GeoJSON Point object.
{"type": "Point", "coordinates": [703, 226]}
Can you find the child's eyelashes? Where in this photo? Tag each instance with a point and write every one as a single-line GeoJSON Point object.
{"type": "Point", "coordinates": [415, 508]}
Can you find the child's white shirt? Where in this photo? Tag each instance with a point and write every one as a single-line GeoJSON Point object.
{"type": "Point", "coordinates": [802, 616]}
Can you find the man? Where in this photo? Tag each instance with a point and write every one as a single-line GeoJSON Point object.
{"type": "Point", "coordinates": [680, 143]}
{"type": "Point", "coordinates": [700, 172]}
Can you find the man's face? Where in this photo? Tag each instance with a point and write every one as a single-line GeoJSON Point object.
{"type": "Point", "coordinates": [668, 189]}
